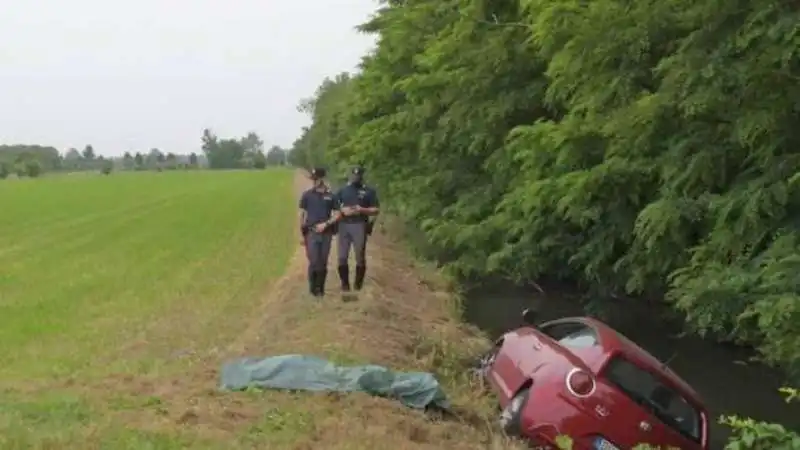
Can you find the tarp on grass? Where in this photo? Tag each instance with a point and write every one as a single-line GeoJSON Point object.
{"type": "Point", "coordinates": [417, 390]}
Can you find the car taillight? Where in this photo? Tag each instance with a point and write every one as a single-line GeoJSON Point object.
{"type": "Point", "coordinates": [580, 383]}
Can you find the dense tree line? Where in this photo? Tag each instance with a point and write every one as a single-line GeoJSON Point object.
{"type": "Point", "coordinates": [27, 160]}
{"type": "Point", "coordinates": [628, 147]}
{"type": "Point", "coordinates": [243, 153]}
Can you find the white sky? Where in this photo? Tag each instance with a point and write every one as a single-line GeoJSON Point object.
{"type": "Point", "coordinates": [153, 73]}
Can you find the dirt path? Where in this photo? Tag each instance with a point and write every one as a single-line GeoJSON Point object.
{"type": "Point", "coordinates": [403, 319]}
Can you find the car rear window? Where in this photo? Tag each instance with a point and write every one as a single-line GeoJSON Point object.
{"type": "Point", "coordinates": [649, 392]}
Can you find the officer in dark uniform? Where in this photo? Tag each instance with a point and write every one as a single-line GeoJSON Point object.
{"type": "Point", "coordinates": [319, 212]}
{"type": "Point", "coordinates": [359, 206]}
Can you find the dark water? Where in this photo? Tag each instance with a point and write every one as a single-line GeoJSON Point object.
{"type": "Point", "coordinates": [721, 374]}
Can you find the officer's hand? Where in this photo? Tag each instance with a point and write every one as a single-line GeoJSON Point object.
{"type": "Point", "coordinates": [320, 227]}
{"type": "Point", "coordinates": [348, 210]}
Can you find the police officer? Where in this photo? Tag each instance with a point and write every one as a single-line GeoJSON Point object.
{"type": "Point", "coordinates": [359, 206]}
{"type": "Point", "coordinates": [319, 213]}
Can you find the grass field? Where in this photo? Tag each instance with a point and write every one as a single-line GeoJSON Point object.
{"type": "Point", "coordinates": [121, 296]}
{"type": "Point", "coordinates": [97, 274]}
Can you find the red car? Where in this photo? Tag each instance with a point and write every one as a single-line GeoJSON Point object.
{"type": "Point", "coordinates": [578, 377]}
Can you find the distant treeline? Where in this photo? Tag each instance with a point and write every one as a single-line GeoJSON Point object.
{"type": "Point", "coordinates": [243, 153]}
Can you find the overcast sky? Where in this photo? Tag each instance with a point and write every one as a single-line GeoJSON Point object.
{"type": "Point", "coordinates": [153, 73]}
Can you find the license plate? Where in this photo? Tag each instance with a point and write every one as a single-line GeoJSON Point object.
{"type": "Point", "coordinates": [602, 444]}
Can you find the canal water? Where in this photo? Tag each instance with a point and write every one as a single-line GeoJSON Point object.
{"type": "Point", "coordinates": [722, 374]}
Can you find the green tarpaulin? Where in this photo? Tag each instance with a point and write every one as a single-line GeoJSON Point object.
{"type": "Point", "coordinates": [298, 372]}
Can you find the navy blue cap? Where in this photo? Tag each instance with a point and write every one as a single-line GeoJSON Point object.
{"type": "Point", "coordinates": [317, 173]}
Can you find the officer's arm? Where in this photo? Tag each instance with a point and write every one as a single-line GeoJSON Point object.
{"type": "Point", "coordinates": [302, 215]}
{"type": "Point", "coordinates": [343, 210]}
{"type": "Point", "coordinates": [336, 212]}
{"type": "Point", "coordinates": [374, 207]}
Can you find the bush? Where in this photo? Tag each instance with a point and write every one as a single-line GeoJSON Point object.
{"type": "Point", "coordinates": [5, 170]}
{"type": "Point", "coordinates": [32, 168]}
{"type": "Point", "coordinates": [749, 434]}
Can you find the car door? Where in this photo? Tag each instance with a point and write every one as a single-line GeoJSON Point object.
{"type": "Point", "coordinates": [508, 373]}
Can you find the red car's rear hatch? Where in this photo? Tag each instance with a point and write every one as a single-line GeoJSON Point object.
{"type": "Point", "coordinates": [635, 406]}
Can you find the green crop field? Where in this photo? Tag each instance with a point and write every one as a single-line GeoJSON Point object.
{"type": "Point", "coordinates": [126, 274]}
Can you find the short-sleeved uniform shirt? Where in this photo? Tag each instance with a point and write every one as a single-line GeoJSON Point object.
{"type": "Point", "coordinates": [318, 206]}
{"type": "Point", "coordinates": [352, 195]}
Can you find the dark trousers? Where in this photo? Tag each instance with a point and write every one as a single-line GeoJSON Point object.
{"type": "Point", "coordinates": [318, 249]}
{"type": "Point", "coordinates": [352, 235]}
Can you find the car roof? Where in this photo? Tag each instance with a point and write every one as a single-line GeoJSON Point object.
{"type": "Point", "coordinates": [614, 342]}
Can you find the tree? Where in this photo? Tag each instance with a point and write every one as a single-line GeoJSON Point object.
{"type": "Point", "coordinates": [6, 169]}
{"type": "Point", "coordinates": [128, 162]}
{"type": "Point", "coordinates": [259, 161]}
{"type": "Point", "coordinates": [138, 160]}
{"type": "Point", "coordinates": [276, 156]}
{"type": "Point", "coordinates": [107, 167]}
{"type": "Point", "coordinates": [193, 159]}
{"type": "Point", "coordinates": [33, 168]}
{"type": "Point", "coordinates": [252, 143]}
{"type": "Point", "coordinates": [154, 159]}
{"type": "Point", "coordinates": [228, 153]}
{"type": "Point", "coordinates": [171, 161]}
{"type": "Point", "coordinates": [48, 157]}
{"type": "Point", "coordinates": [88, 153]}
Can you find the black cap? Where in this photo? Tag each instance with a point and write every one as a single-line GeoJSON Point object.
{"type": "Point", "coordinates": [317, 173]}
{"type": "Point", "coordinates": [358, 170]}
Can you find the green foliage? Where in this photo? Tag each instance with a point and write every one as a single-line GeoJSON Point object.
{"type": "Point", "coordinates": [276, 156]}
{"type": "Point", "coordinates": [17, 158]}
{"type": "Point", "coordinates": [326, 109]}
{"type": "Point", "coordinates": [244, 153]}
{"type": "Point", "coordinates": [5, 169]}
{"type": "Point", "coordinates": [750, 434]}
{"type": "Point", "coordinates": [20, 170]}
{"type": "Point", "coordinates": [645, 147]}
{"type": "Point", "coordinates": [259, 160]}
{"type": "Point", "coordinates": [33, 168]}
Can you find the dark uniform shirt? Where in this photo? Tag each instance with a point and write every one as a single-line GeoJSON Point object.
{"type": "Point", "coordinates": [352, 195]}
{"type": "Point", "coordinates": [318, 206]}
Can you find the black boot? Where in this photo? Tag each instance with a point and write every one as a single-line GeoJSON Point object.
{"type": "Point", "coordinates": [312, 282]}
{"type": "Point", "coordinates": [344, 277]}
{"type": "Point", "coordinates": [361, 271]}
{"type": "Point", "coordinates": [321, 276]}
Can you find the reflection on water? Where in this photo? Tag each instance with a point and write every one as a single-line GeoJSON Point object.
{"type": "Point", "coordinates": [719, 373]}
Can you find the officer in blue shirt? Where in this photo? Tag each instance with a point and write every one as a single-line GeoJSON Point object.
{"type": "Point", "coordinates": [359, 206]}
{"type": "Point", "coordinates": [319, 212]}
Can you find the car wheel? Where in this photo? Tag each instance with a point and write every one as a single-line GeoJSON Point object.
{"type": "Point", "coordinates": [511, 416]}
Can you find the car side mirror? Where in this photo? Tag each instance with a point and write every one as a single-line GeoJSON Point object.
{"type": "Point", "coordinates": [529, 316]}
